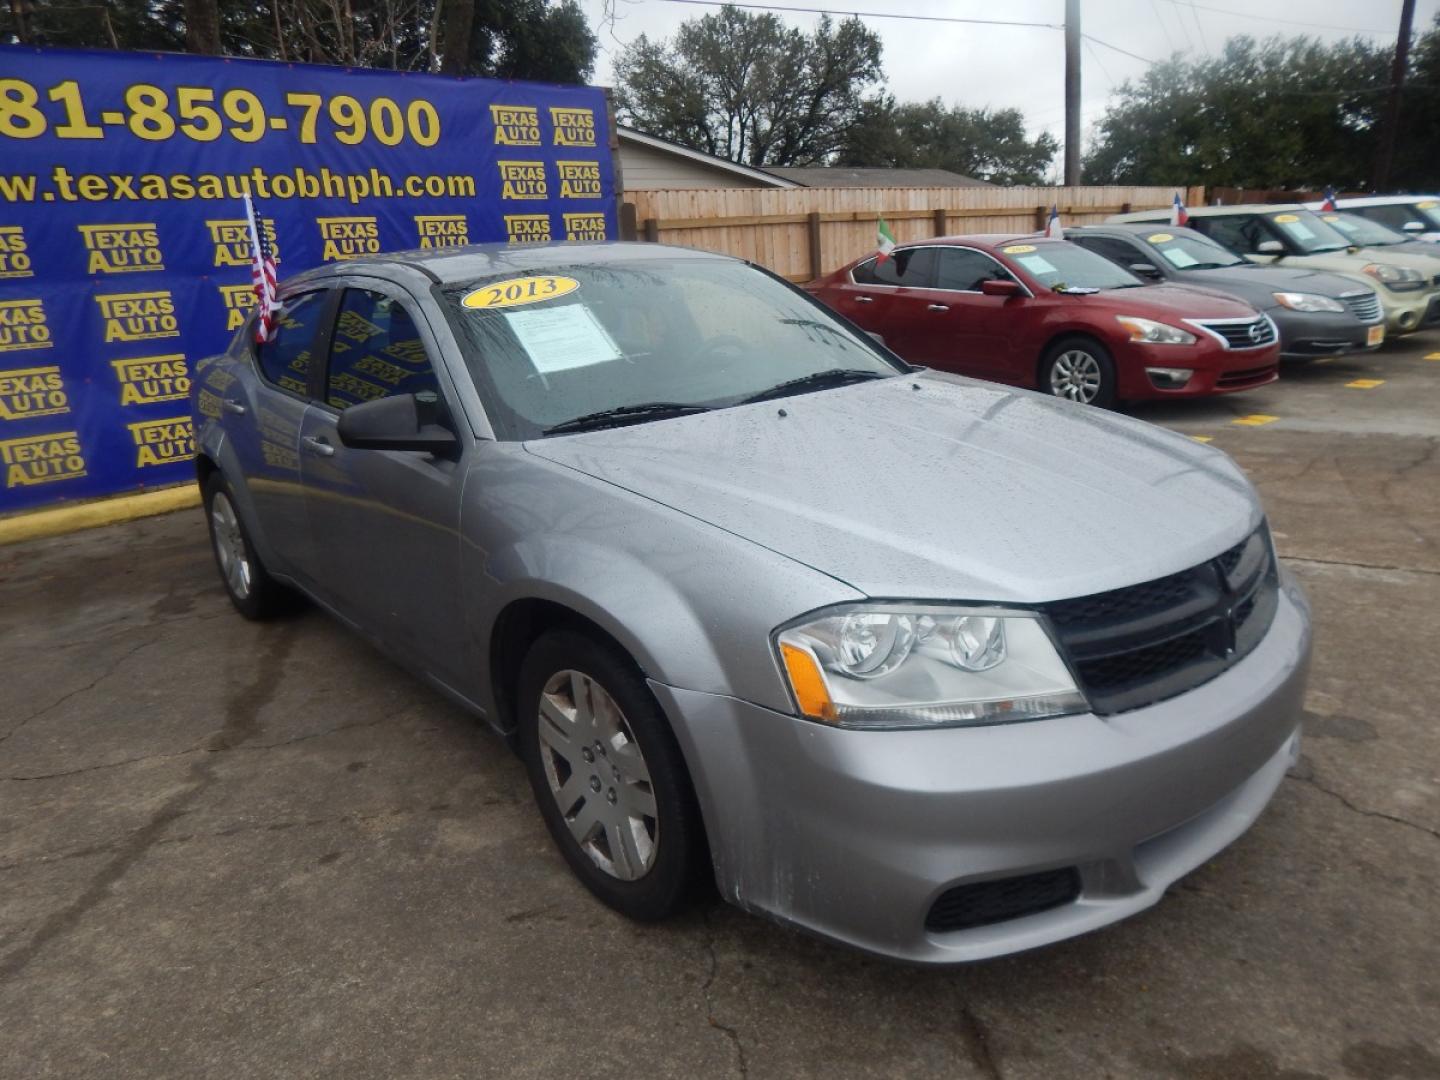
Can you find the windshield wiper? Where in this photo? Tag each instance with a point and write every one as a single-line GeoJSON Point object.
{"type": "Point", "coordinates": [819, 380]}
{"type": "Point", "coordinates": [625, 414]}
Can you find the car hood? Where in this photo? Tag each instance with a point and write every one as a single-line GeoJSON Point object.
{"type": "Point", "coordinates": [934, 486]}
{"type": "Point", "coordinates": [1172, 302]}
{"type": "Point", "coordinates": [1350, 262]}
{"type": "Point", "coordinates": [1268, 279]}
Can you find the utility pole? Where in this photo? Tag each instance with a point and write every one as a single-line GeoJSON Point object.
{"type": "Point", "coordinates": [1385, 152]}
{"type": "Point", "coordinates": [1072, 91]}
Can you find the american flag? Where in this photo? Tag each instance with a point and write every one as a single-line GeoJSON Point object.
{"type": "Point", "coordinates": [1329, 203]}
{"type": "Point", "coordinates": [262, 274]}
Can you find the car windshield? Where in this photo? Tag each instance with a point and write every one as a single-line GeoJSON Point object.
{"type": "Point", "coordinates": [1363, 231]}
{"type": "Point", "coordinates": [1063, 265]}
{"type": "Point", "coordinates": [1307, 232]}
{"type": "Point", "coordinates": [576, 347]}
{"type": "Point", "coordinates": [1190, 251]}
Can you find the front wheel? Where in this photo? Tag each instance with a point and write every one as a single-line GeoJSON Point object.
{"type": "Point", "coordinates": [255, 594]}
{"type": "Point", "coordinates": [1079, 369]}
{"type": "Point", "coordinates": [608, 776]}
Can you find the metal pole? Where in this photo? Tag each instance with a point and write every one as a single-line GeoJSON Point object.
{"type": "Point", "coordinates": [1385, 152]}
{"type": "Point", "coordinates": [1072, 91]}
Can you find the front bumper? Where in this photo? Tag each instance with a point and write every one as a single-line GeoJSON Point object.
{"type": "Point", "coordinates": [1216, 369]}
{"type": "Point", "coordinates": [1407, 312]}
{"type": "Point", "coordinates": [1305, 334]}
{"type": "Point", "coordinates": [854, 835]}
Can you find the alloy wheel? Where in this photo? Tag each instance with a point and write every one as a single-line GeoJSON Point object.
{"type": "Point", "coordinates": [230, 545]}
{"type": "Point", "coordinates": [598, 775]}
{"type": "Point", "coordinates": [1076, 375]}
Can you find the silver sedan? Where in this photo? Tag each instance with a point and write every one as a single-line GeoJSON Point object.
{"type": "Point", "coordinates": [930, 666]}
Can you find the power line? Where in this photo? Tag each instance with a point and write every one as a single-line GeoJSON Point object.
{"type": "Point", "coordinates": [1196, 16]}
{"type": "Point", "coordinates": [868, 14]}
{"type": "Point", "coordinates": [1271, 18]}
{"type": "Point", "coordinates": [1116, 48]}
{"type": "Point", "coordinates": [1155, 7]}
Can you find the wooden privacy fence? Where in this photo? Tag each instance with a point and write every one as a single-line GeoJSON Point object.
{"type": "Point", "coordinates": [802, 233]}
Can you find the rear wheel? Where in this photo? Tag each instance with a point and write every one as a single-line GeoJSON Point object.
{"type": "Point", "coordinates": [608, 776]}
{"type": "Point", "coordinates": [255, 594]}
{"type": "Point", "coordinates": [1079, 369]}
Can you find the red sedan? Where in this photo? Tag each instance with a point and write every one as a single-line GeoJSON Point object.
{"type": "Point", "coordinates": [1050, 315]}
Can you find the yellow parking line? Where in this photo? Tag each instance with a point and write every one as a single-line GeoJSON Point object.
{"type": "Point", "coordinates": [1365, 384]}
{"type": "Point", "coordinates": [1432, 356]}
{"type": "Point", "coordinates": [1324, 359]}
{"type": "Point", "coordinates": [1254, 420]}
{"type": "Point", "coordinates": [1202, 438]}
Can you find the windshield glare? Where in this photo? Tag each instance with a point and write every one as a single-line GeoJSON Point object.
{"type": "Point", "coordinates": [692, 332]}
{"type": "Point", "coordinates": [1363, 231]}
{"type": "Point", "coordinates": [1191, 251]}
{"type": "Point", "coordinates": [1061, 265]}
{"type": "Point", "coordinates": [1307, 232]}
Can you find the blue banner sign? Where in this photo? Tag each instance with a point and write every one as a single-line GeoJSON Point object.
{"type": "Point", "coordinates": [124, 256]}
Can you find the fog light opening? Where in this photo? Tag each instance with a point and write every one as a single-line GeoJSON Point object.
{"type": "Point", "coordinates": [1408, 319]}
{"type": "Point", "coordinates": [1169, 378]}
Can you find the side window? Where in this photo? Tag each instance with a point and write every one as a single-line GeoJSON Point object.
{"type": "Point", "coordinates": [1240, 234]}
{"type": "Point", "coordinates": [375, 351]}
{"type": "Point", "coordinates": [1120, 252]}
{"type": "Point", "coordinates": [909, 266]}
{"type": "Point", "coordinates": [1394, 216]}
{"type": "Point", "coordinates": [285, 359]}
{"type": "Point", "coordinates": [962, 270]}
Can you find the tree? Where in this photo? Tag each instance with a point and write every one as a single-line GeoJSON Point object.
{"type": "Point", "coordinates": [1278, 113]}
{"type": "Point", "coordinates": [547, 40]}
{"type": "Point", "coordinates": [746, 87]}
{"type": "Point", "coordinates": [984, 143]}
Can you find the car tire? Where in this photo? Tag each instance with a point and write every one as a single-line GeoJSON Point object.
{"type": "Point", "coordinates": [1079, 369]}
{"type": "Point", "coordinates": [252, 590]}
{"type": "Point", "coordinates": [608, 776]}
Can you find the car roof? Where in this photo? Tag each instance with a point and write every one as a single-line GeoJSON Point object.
{"type": "Point", "coordinates": [981, 240]}
{"type": "Point", "coordinates": [1141, 229]}
{"type": "Point", "coordinates": [1380, 200]}
{"type": "Point", "coordinates": [459, 264]}
{"type": "Point", "coordinates": [1207, 211]}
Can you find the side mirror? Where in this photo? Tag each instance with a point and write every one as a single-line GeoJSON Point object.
{"type": "Point", "coordinates": [1145, 269]}
{"type": "Point", "coordinates": [401, 422]}
{"type": "Point", "coordinates": [1270, 247]}
{"type": "Point", "coordinates": [999, 287]}
{"type": "Point", "coordinates": [1413, 226]}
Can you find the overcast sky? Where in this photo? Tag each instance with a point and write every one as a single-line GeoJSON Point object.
{"type": "Point", "coordinates": [1023, 67]}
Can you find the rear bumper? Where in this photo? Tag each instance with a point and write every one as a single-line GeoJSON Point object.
{"type": "Point", "coordinates": [855, 835]}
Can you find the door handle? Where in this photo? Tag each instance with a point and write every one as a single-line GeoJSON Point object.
{"type": "Point", "coordinates": [937, 307]}
{"type": "Point", "coordinates": [318, 446]}
{"type": "Point", "coordinates": [864, 299]}
{"type": "Point", "coordinates": [231, 405]}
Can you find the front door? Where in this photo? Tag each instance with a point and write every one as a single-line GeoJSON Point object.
{"type": "Point", "coordinates": [959, 328]}
{"type": "Point", "coordinates": [384, 524]}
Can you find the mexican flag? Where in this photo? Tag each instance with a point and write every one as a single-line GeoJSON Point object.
{"type": "Point", "coordinates": [884, 240]}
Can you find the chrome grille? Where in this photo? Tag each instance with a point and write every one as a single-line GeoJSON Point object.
{"type": "Point", "coordinates": [1241, 333]}
{"type": "Point", "coordinates": [1364, 305]}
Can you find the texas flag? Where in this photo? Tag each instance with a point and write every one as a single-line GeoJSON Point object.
{"type": "Point", "coordinates": [1178, 216]}
{"type": "Point", "coordinates": [1329, 203]}
{"type": "Point", "coordinates": [1052, 227]}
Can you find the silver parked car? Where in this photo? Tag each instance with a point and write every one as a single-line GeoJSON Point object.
{"type": "Point", "coordinates": [931, 666]}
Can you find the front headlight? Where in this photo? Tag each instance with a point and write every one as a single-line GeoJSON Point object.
{"type": "Point", "coordinates": [1154, 333]}
{"type": "Point", "coordinates": [1300, 301]}
{"type": "Point", "coordinates": [1399, 278]}
{"type": "Point", "coordinates": [913, 666]}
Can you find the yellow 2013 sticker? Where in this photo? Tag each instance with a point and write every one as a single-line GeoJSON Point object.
{"type": "Point", "coordinates": [1160, 238]}
{"type": "Point", "coordinates": [1286, 219]}
{"type": "Point", "coordinates": [1019, 249]}
{"type": "Point", "coordinates": [513, 292]}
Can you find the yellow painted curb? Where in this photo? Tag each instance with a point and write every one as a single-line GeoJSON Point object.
{"type": "Point", "coordinates": [90, 515]}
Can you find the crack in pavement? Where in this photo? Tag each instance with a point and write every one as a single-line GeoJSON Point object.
{"type": "Point", "coordinates": [741, 1064]}
{"type": "Point", "coordinates": [242, 720]}
{"type": "Point", "coordinates": [109, 671]}
{"type": "Point", "coordinates": [1360, 809]}
{"type": "Point", "coordinates": [977, 1043]}
{"type": "Point", "coordinates": [1358, 565]}
{"type": "Point", "coordinates": [199, 750]}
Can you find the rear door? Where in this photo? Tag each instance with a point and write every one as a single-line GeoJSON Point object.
{"type": "Point", "coordinates": [957, 327]}
{"type": "Point", "coordinates": [263, 422]}
{"type": "Point", "coordinates": [875, 299]}
{"type": "Point", "coordinates": [384, 524]}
